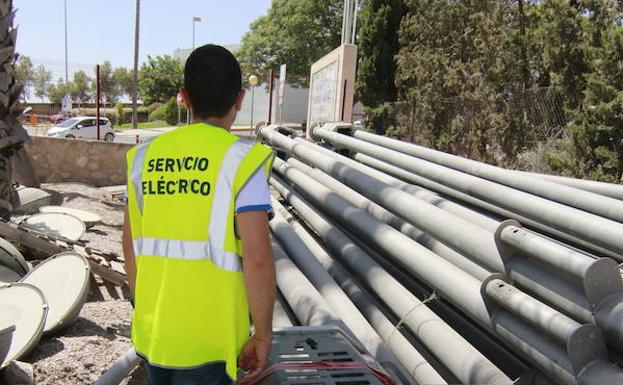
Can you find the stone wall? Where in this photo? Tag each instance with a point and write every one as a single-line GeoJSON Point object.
{"type": "Point", "coordinates": [87, 161]}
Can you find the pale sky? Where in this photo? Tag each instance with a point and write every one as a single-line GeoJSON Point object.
{"type": "Point", "coordinates": [101, 30]}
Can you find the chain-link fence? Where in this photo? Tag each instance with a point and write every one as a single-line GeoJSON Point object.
{"type": "Point", "coordinates": [538, 115]}
{"type": "Point", "coordinates": [544, 113]}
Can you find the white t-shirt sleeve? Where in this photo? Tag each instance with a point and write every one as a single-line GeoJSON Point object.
{"type": "Point", "coordinates": [254, 196]}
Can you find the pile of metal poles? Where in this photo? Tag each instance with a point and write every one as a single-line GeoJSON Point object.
{"type": "Point", "coordinates": [451, 270]}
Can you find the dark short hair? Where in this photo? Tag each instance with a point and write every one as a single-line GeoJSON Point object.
{"type": "Point", "coordinates": [213, 80]}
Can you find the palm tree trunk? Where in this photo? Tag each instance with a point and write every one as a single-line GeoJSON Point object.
{"type": "Point", "coordinates": [12, 134]}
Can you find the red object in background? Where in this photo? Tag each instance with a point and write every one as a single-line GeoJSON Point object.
{"type": "Point", "coordinates": [60, 117]}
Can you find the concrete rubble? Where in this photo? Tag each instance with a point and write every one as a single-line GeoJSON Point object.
{"type": "Point", "coordinates": [95, 331]}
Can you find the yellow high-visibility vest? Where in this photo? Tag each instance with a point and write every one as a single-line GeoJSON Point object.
{"type": "Point", "coordinates": [190, 301]}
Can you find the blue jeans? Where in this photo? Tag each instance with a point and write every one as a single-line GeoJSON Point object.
{"type": "Point", "coordinates": [208, 374]}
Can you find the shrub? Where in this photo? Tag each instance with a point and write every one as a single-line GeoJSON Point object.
{"type": "Point", "coordinates": [152, 107]}
{"type": "Point", "coordinates": [171, 112]}
{"type": "Point", "coordinates": [167, 112]}
{"type": "Point", "coordinates": [158, 113]}
{"type": "Point", "coordinates": [121, 113]}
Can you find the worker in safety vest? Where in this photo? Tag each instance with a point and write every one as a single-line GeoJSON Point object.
{"type": "Point", "coordinates": [195, 237]}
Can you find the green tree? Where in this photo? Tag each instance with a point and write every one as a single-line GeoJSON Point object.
{"type": "Point", "coordinates": [108, 89]}
{"type": "Point", "coordinates": [457, 68]}
{"type": "Point", "coordinates": [597, 129]}
{"type": "Point", "coordinates": [122, 79]}
{"type": "Point", "coordinates": [80, 89]}
{"type": "Point", "coordinates": [41, 82]}
{"type": "Point", "coordinates": [160, 79]}
{"type": "Point", "coordinates": [556, 45]}
{"type": "Point", "coordinates": [56, 92]}
{"type": "Point", "coordinates": [294, 32]}
{"type": "Point", "coordinates": [25, 73]}
{"type": "Point", "coordinates": [378, 46]}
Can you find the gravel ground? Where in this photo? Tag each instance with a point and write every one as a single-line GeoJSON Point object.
{"type": "Point", "coordinates": [105, 236]}
{"type": "Point", "coordinates": [81, 353]}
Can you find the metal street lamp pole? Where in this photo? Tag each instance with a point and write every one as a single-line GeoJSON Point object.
{"type": "Point", "coordinates": [253, 80]}
{"type": "Point", "coordinates": [66, 54]}
{"type": "Point", "coordinates": [195, 20]}
{"type": "Point", "coordinates": [135, 73]}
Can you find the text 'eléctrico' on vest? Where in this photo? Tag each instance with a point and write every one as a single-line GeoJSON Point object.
{"type": "Point", "coordinates": [167, 186]}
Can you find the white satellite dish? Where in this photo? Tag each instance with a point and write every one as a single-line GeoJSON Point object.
{"type": "Point", "coordinates": [90, 219]}
{"type": "Point", "coordinates": [56, 225]}
{"type": "Point", "coordinates": [25, 307]}
{"type": "Point", "coordinates": [30, 199]}
{"type": "Point", "coordinates": [11, 258]}
{"type": "Point", "coordinates": [64, 280]}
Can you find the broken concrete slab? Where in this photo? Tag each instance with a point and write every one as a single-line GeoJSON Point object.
{"type": "Point", "coordinates": [90, 219]}
{"type": "Point", "coordinates": [56, 225]}
{"type": "Point", "coordinates": [24, 306]}
{"type": "Point", "coordinates": [64, 280]}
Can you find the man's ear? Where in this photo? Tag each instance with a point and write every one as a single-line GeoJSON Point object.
{"type": "Point", "coordinates": [239, 100]}
{"type": "Point", "coordinates": [186, 98]}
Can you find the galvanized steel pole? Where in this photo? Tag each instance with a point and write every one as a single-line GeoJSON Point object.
{"type": "Point", "coordinates": [478, 218]}
{"type": "Point", "coordinates": [594, 228]}
{"type": "Point", "coordinates": [383, 215]}
{"type": "Point", "coordinates": [308, 305]}
{"type": "Point", "coordinates": [469, 199]}
{"type": "Point", "coordinates": [438, 337]}
{"type": "Point", "coordinates": [417, 366]}
{"type": "Point", "coordinates": [327, 287]}
{"type": "Point", "coordinates": [581, 199]}
{"type": "Point", "coordinates": [463, 293]}
{"type": "Point", "coordinates": [463, 236]}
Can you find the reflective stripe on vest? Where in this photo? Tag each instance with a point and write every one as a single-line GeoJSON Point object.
{"type": "Point", "coordinates": [188, 250]}
{"type": "Point", "coordinates": [223, 194]}
{"type": "Point", "coordinates": [214, 249]}
{"type": "Point", "coordinates": [137, 172]}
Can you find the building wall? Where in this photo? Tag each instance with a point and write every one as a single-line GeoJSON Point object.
{"type": "Point", "coordinates": [70, 160]}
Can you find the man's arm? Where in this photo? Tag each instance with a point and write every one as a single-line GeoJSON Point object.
{"type": "Point", "coordinates": [260, 283]}
{"type": "Point", "coordinates": [128, 252]}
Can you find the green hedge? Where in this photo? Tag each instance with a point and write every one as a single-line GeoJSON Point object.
{"type": "Point", "coordinates": [167, 112]}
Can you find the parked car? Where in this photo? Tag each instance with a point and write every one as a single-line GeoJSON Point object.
{"type": "Point", "coordinates": [83, 127]}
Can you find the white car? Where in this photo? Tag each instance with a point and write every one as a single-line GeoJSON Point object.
{"type": "Point", "coordinates": [83, 127]}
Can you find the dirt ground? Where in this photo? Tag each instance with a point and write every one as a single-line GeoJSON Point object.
{"type": "Point", "coordinates": [81, 353]}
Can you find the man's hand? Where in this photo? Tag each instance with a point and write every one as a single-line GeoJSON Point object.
{"type": "Point", "coordinates": [254, 358]}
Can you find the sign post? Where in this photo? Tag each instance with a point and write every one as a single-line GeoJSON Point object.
{"type": "Point", "coordinates": [66, 104]}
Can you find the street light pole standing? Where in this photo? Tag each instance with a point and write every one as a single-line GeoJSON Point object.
{"type": "Point", "coordinates": [135, 73]}
{"type": "Point", "coordinates": [196, 19]}
{"type": "Point", "coordinates": [253, 80]}
{"type": "Point", "coordinates": [66, 54]}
